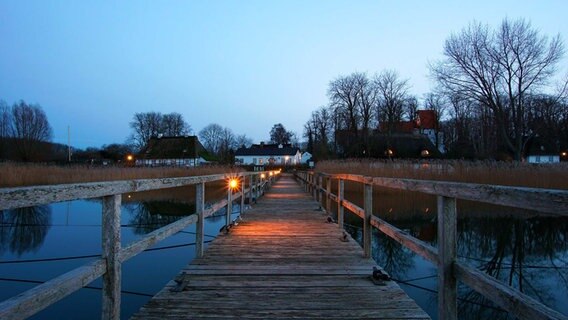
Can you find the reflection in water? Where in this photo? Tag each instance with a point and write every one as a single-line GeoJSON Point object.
{"type": "Point", "coordinates": [148, 216]}
{"type": "Point", "coordinates": [528, 254]}
{"type": "Point", "coordinates": [24, 230]}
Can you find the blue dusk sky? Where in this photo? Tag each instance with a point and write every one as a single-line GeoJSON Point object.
{"type": "Point", "coordinates": [243, 64]}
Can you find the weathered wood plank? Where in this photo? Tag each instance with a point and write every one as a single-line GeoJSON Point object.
{"type": "Point", "coordinates": [112, 278]}
{"type": "Point", "coordinates": [517, 303]}
{"type": "Point", "coordinates": [340, 198]}
{"type": "Point", "coordinates": [543, 200]}
{"type": "Point", "coordinates": [155, 236]}
{"type": "Point", "coordinates": [38, 195]}
{"type": "Point", "coordinates": [447, 248]}
{"type": "Point", "coordinates": [200, 226]}
{"type": "Point", "coordinates": [42, 296]}
{"type": "Point", "coordinates": [419, 247]}
{"type": "Point", "coordinates": [368, 210]}
{"type": "Point", "coordinates": [284, 263]}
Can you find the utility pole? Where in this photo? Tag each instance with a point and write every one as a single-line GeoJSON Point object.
{"type": "Point", "coordinates": [69, 143]}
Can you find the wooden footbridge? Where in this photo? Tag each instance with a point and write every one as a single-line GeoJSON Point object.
{"type": "Point", "coordinates": [284, 260]}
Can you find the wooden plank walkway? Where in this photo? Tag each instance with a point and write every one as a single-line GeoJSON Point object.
{"type": "Point", "coordinates": [283, 261]}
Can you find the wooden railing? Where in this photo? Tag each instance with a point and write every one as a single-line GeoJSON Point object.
{"type": "Point", "coordinates": [450, 269]}
{"type": "Point", "coordinates": [109, 265]}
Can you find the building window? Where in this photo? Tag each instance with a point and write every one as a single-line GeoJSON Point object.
{"type": "Point", "coordinates": [253, 160]}
{"type": "Point", "coordinates": [550, 159]}
{"type": "Point", "coordinates": [260, 161]}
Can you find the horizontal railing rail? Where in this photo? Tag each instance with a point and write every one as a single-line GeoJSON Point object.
{"type": "Point", "coordinates": [450, 270]}
{"type": "Point", "coordinates": [113, 255]}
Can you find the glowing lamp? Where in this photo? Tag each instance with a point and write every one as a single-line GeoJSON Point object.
{"type": "Point", "coordinates": [564, 154]}
{"type": "Point", "coordinates": [233, 184]}
{"type": "Point", "coordinates": [271, 173]}
{"type": "Point", "coordinates": [129, 157]}
{"type": "Point", "coordinates": [425, 153]}
{"type": "Point", "coordinates": [262, 176]}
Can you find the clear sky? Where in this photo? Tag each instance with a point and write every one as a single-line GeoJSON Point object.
{"type": "Point", "coordinates": [243, 64]}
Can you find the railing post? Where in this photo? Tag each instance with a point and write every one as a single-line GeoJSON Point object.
{"type": "Point", "coordinates": [251, 186]}
{"type": "Point", "coordinates": [340, 197]}
{"type": "Point", "coordinates": [328, 195]}
{"type": "Point", "coordinates": [200, 226]}
{"type": "Point", "coordinates": [229, 207]}
{"type": "Point", "coordinates": [243, 184]}
{"type": "Point", "coordinates": [314, 189]}
{"type": "Point", "coordinates": [110, 252]}
{"type": "Point", "coordinates": [319, 193]}
{"type": "Point", "coordinates": [367, 231]}
{"type": "Point", "coordinates": [447, 283]}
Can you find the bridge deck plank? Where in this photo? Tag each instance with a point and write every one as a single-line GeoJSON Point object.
{"type": "Point", "coordinates": [283, 261]}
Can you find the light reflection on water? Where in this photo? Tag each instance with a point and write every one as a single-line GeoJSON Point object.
{"type": "Point", "coordinates": [529, 252]}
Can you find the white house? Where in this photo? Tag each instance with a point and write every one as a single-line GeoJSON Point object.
{"type": "Point", "coordinates": [542, 151]}
{"type": "Point", "coordinates": [543, 158]}
{"type": "Point", "coordinates": [305, 157]}
{"type": "Point", "coordinates": [268, 154]}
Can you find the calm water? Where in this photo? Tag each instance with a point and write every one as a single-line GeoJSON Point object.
{"type": "Point", "coordinates": [529, 252]}
{"type": "Point", "coordinates": [518, 247]}
{"type": "Point", "coordinates": [72, 230]}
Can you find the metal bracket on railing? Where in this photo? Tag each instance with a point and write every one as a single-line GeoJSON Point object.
{"type": "Point", "coordinates": [379, 277]}
{"type": "Point", "coordinates": [182, 281]}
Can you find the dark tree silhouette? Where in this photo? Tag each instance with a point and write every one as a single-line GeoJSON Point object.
{"type": "Point", "coordinates": [29, 128]}
{"type": "Point", "coordinates": [279, 134]}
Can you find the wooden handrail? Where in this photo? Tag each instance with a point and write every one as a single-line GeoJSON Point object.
{"type": "Point", "coordinates": [38, 195]}
{"type": "Point", "coordinates": [109, 265]}
{"type": "Point", "coordinates": [450, 269]}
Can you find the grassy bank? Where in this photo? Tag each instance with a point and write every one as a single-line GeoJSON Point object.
{"type": "Point", "coordinates": [487, 172]}
{"type": "Point", "coordinates": [17, 175]}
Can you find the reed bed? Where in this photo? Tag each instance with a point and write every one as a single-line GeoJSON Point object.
{"type": "Point", "coordinates": [19, 174]}
{"type": "Point", "coordinates": [551, 176]}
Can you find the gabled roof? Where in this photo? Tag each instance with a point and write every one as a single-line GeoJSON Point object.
{"type": "Point", "coordinates": [186, 147]}
{"type": "Point", "coordinates": [538, 146]}
{"type": "Point", "coordinates": [267, 150]}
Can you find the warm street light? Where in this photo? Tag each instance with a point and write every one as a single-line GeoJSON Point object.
{"type": "Point", "coordinates": [233, 184]}
{"type": "Point", "coordinates": [129, 157]}
{"type": "Point", "coordinates": [262, 176]}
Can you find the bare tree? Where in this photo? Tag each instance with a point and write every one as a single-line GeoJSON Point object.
{"type": "Point", "coordinates": [174, 125]}
{"type": "Point", "coordinates": [368, 95]}
{"type": "Point", "coordinates": [30, 128]}
{"type": "Point", "coordinates": [279, 134]}
{"type": "Point", "coordinates": [227, 145]}
{"type": "Point", "coordinates": [242, 140]}
{"type": "Point", "coordinates": [211, 137]}
{"type": "Point", "coordinates": [344, 93]}
{"type": "Point", "coordinates": [145, 125]}
{"type": "Point", "coordinates": [392, 95]}
{"type": "Point", "coordinates": [309, 133]}
{"type": "Point", "coordinates": [499, 69]}
{"type": "Point", "coordinates": [5, 124]}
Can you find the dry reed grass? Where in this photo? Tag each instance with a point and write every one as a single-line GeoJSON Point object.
{"type": "Point", "coordinates": [553, 176]}
{"type": "Point", "coordinates": [18, 174]}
